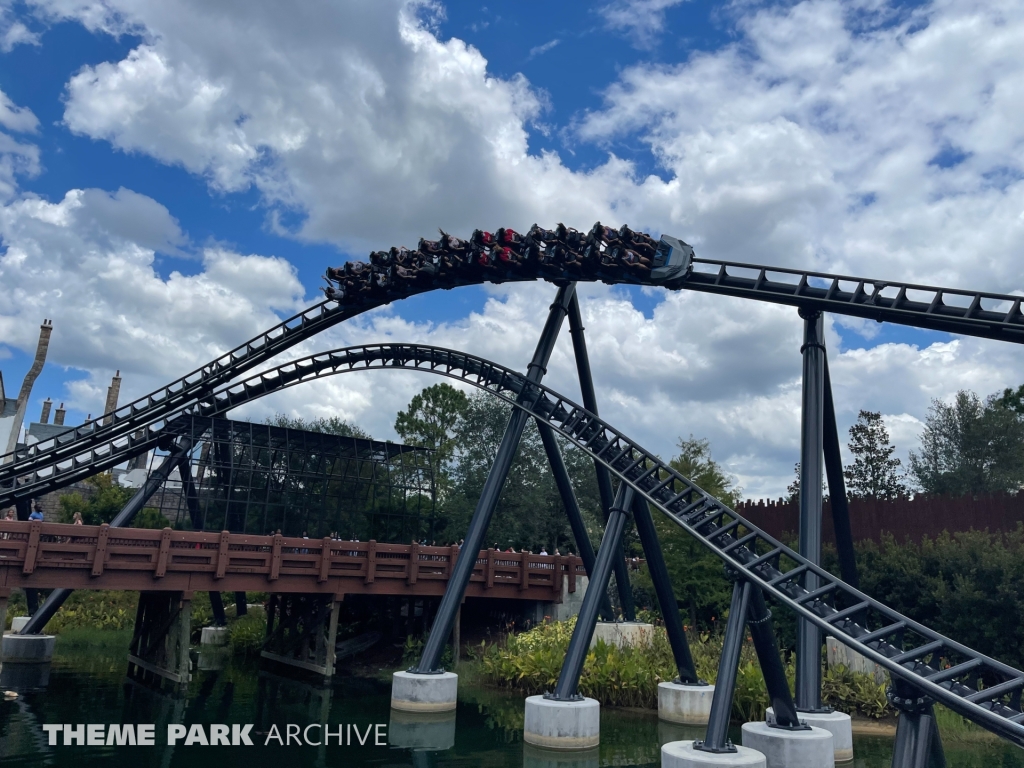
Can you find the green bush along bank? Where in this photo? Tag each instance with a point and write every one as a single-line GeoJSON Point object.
{"type": "Point", "coordinates": [529, 662]}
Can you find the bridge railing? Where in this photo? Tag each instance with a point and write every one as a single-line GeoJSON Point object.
{"type": "Point", "coordinates": [39, 554]}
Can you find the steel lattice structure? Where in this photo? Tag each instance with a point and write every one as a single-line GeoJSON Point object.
{"type": "Point", "coordinates": [260, 478]}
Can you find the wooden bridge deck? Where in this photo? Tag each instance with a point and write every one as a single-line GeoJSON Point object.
{"type": "Point", "coordinates": [49, 555]}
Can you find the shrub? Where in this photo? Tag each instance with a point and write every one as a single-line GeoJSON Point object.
{"type": "Point", "coordinates": [245, 635]}
{"type": "Point", "coordinates": [531, 661]}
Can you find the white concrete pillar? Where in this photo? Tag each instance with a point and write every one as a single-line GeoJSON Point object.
{"type": "Point", "coordinates": [790, 749]}
{"type": "Point", "coordinates": [681, 754]}
{"type": "Point", "coordinates": [27, 649]}
{"type": "Point", "coordinates": [686, 704]}
{"type": "Point", "coordinates": [214, 636]}
{"type": "Point", "coordinates": [620, 633]}
{"type": "Point", "coordinates": [562, 724]}
{"type": "Point", "coordinates": [411, 692]}
{"type": "Point", "coordinates": [836, 723]}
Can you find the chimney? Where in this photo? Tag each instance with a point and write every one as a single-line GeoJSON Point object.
{"type": "Point", "coordinates": [44, 417]}
{"type": "Point", "coordinates": [26, 385]}
{"type": "Point", "coordinates": [112, 393]}
{"type": "Point", "coordinates": [3, 395]}
{"type": "Point", "coordinates": [58, 416]}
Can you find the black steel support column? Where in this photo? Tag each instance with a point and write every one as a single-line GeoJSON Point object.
{"type": "Point", "coordinates": [579, 645]}
{"type": "Point", "coordinates": [759, 621]}
{"type": "Point", "coordinates": [452, 600]}
{"type": "Point", "coordinates": [666, 597]}
{"type": "Point", "coordinates": [808, 636]}
{"type": "Point", "coordinates": [188, 490]}
{"type": "Point", "coordinates": [135, 504]}
{"type": "Point", "coordinates": [716, 739]}
{"type": "Point", "coordinates": [217, 608]}
{"type": "Point", "coordinates": [241, 604]}
{"type": "Point", "coordinates": [918, 744]}
{"type": "Point", "coordinates": [572, 507]}
{"type": "Point", "coordinates": [604, 478]}
{"type": "Point", "coordinates": [837, 488]}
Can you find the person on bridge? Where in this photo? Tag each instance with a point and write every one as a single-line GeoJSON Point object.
{"type": "Point", "coordinates": [37, 513]}
{"type": "Point", "coordinates": [77, 519]}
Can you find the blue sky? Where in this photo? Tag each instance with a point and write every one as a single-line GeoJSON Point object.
{"type": "Point", "coordinates": [175, 177]}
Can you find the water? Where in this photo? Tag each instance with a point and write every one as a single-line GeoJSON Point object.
{"type": "Point", "coordinates": [87, 685]}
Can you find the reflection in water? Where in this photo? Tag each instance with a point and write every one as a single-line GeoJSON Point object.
{"type": "Point", "coordinates": [422, 731]}
{"type": "Point", "coordinates": [87, 685]}
{"type": "Point", "coordinates": [535, 757]}
{"type": "Point", "coordinates": [24, 677]}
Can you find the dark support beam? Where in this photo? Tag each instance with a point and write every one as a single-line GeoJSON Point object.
{"type": "Point", "coordinates": [220, 619]}
{"type": "Point", "coordinates": [241, 604]}
{"type": "Point", "coordinates": [604, 478]}
{"type": "Point", "coordinates": [716, 739]}
{"type": "Point", "coordinates": [430, 661]}
{"type": "Point", "coordinates": [135, 504]}
{"type": "Point", "coordinates": [666, 597]}
{"type": "Point", "coordinates": [188, 490]}
{"type": "Point", "coordinates": [808, 636]}
{"type": "Point", "coordinates": [918, 743]}
{"type": "Point", "coordinates": [759, 621]}
{"type": "Point", "coordinates": [579, 645]}
{"type": "Point", "coordinates": [572, 507]}
{"type": "Point", "coordinates": [837, 489]}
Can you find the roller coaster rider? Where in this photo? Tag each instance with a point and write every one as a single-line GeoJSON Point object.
{"type": "Point", "coordinates": [504, 254]}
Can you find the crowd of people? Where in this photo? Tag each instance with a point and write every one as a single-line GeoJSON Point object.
{"type": "Point", "coordinates": [505, 254]}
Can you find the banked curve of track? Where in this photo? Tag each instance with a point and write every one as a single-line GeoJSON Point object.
{"type": "Point", "coordinates": [980, 688]}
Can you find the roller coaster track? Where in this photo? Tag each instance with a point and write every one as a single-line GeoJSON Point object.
{"type": "Point", "coordinates": [980, 688]}
{"type": "Point", "coordinates": [987, 315]}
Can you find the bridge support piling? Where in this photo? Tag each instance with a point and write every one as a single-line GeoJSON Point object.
{"type": "Point", "coordinates": [564, 719]}
{"type": "Point", "coordinates": [808, 636]}
{"type": "Point", "coordinates": [430, 660]}
{"type": "Point", "coordinates": [158, 652]}
{"type": "Point", "coordinates": [302, 631]}
{"type": "Point", "coordinates": [604, 479]}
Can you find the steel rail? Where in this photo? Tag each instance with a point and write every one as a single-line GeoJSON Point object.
{"type": "Point", "coordinates": [976, 686]}
{"type": "Point", "coordinates": [884, 301]}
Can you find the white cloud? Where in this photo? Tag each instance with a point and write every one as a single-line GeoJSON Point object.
{"type": "Point", "coordinates": [642, 20]}
{"type": "Point", "coordinates": [16, 158]}
{"type": "Point", "coordinates": [812, 140]}
{"type": "Point", "coordinates": [89, 263]}
{"type": "Point", "coordinates": [12, 30]}
{"type": "Point", "coordinates": [540, 50]}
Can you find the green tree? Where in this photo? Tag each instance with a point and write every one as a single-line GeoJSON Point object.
{"type": "Point", "coordinates": [106, 500]}
{"type": "Point", "coordinates": [432, 421]}
{"type": "Point", "coordinates": [1013, 399]}
{"type": "Point", "coordinates": [793, 489]}
{"type": "Point", "coordinates": [332, 425]}
{"type": "Point", "coordinates": [970, 447]}
{"type": "Point", "coordinates": [875, 473]}
{"type": "Point", "coordinates": [695, 463]}
{"type": "Point", "coordinates": [697, 574]}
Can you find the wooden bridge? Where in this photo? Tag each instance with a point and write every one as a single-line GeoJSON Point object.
{"type": "Point", "coordinates": [49, 555]}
